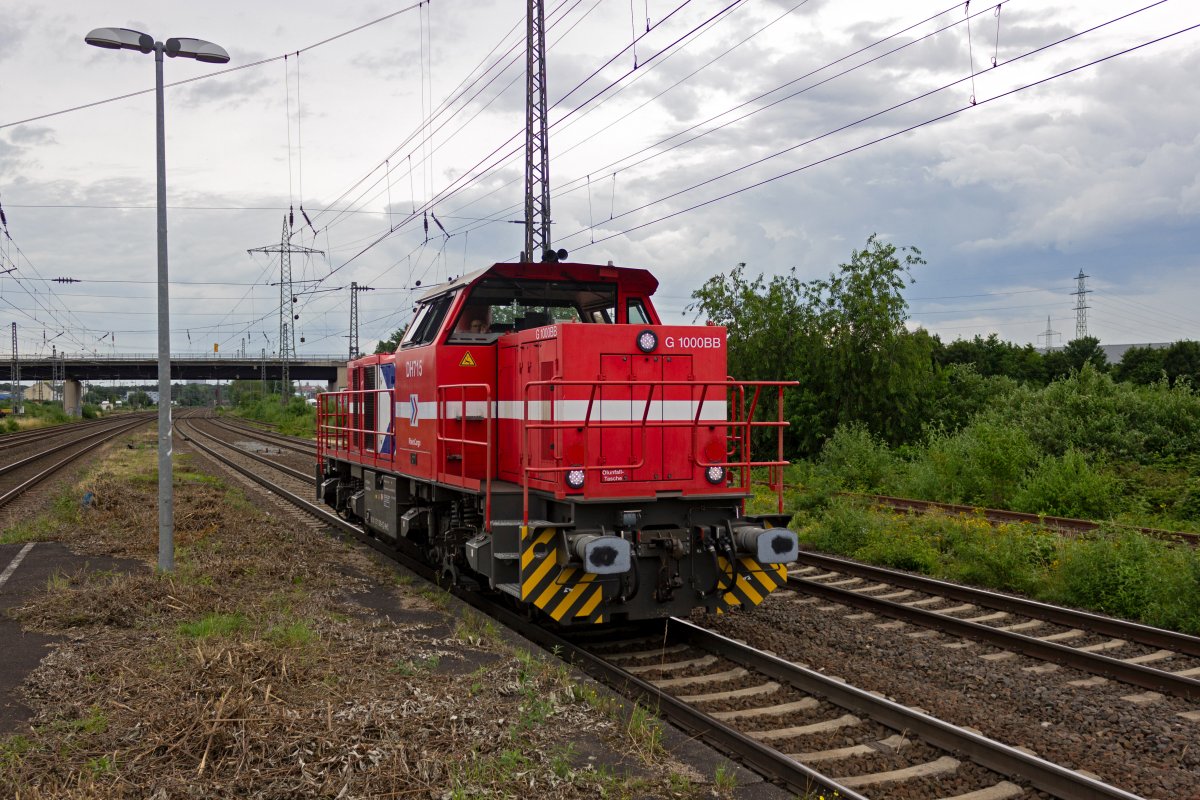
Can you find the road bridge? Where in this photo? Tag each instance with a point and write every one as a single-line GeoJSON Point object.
{"type": "Point", "coordinates": [184, 367]}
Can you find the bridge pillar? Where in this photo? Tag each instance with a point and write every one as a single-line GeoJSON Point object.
{"type": "Point", "coordinates": [73, 397]}
{"type": "Point", "coordinates": [343, 379]}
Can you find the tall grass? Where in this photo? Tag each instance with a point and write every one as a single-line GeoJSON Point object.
{"type": "Point", "coordinates": [1121, 573]}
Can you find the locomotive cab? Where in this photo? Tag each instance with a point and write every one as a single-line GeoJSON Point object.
{"type": "Point", "coordinates": [540, 432]}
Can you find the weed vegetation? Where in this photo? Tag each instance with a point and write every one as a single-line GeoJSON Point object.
{"type": "Point", "coordinates": [297, 418]}
{"type": "Point", "coordinates": [37, 415]}
{"type": "Point", "coordinates": [1085, 446]}
{"type": "Point", "coordinates": [1114, 571]}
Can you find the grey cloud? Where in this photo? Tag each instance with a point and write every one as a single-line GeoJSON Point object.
{"type": "Point", "coordinates": [228, 91]}
{"type": "Point", "coordinates": [10, 36]}
{"type": "Point", "coordinates": [32, 135]}
{"type": "Point", "coordinates": [403, 63]}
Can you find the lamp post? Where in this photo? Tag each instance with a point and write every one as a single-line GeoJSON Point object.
{"type": "Point", "coordinates": [126, 39]}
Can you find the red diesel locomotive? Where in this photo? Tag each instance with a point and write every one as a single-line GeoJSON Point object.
{"type": "Point", "coordinates": [540, 432]}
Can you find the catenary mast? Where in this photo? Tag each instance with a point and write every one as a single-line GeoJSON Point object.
{"type": "Point", "coordinates": [537, 153]}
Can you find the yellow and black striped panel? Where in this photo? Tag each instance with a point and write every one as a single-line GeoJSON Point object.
{"type": "Point", "coordinates": [568, 594]}
{"type": "Point", "coordinates": [754, 581]}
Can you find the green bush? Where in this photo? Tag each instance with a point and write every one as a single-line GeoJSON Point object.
{"type": "Point", "coordinates": [1187, 506]}
{"type": "Point", "coordinates": [1069, 486]}
{"type": "Point", "coordinates": [857, 459]}
{"type": "Point", "coordinates": [844, 527]}
{"type": "Point", "coordinates": [901, 548]}
{"type": "Point", "coordinates": [297, 418]}
{"type": "Point", "coordinates": [1091, 412]}
{"type": "Point", "coordinates": [50, 412]}
{"type": "Point", "coordinates": [1133, 576]}
{"type": "Point", "coordinates": [1009, 557]}
{"type": "Point", "coordinates": [984, 463]}
{"type": "Point", "coordinates": [963, 393]}
{"type": "Point", "coordinates": [91, 411]}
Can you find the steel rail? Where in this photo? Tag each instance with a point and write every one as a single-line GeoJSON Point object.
{"type": "Point", "coordinates": [1109, 626]}
{"type": "Point", "coordinates": [18, 438]}
{"type": "Point", "coordinates": [1044, 775]}
{"type": "Point", "coordinates": [13, 493]}
{"type": "Point", "coordinates": [297, 445]}
{"type": "Point", "coordinates": [766, 760]}
{"type": "Point", "coordinates": [50, 450]}
{"type": "Point", "coordinates": [1095, 663]}
{"type": "Point", "coordinates": [295, 473]}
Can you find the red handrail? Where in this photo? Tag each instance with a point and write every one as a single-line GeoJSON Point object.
{"type": "Point", "coordinates": [742, 424]}
{"type": "Point", "coordinates": [486, 443]}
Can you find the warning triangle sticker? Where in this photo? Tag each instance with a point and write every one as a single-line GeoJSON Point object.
{"type": "Point", "coordinates": [467, 361]}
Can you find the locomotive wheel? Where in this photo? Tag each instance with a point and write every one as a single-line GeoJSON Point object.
{"type": "Point", "coordinates": [449, 575]}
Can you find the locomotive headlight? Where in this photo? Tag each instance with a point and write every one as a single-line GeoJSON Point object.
{"type": "Point", "coordinates": [715, 475]}
{"type": "Point", "coordinates": [647, 341]}
{"type": "Point", "coordinates": [575, 478]}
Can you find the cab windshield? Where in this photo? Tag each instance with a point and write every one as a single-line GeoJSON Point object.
{"type": "Point", "coordinates": [498, 305]}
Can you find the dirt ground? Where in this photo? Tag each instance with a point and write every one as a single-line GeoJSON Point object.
{"type": "Point", "coordinates": [280, 662]}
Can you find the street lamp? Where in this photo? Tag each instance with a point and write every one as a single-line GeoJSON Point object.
{"type": "Point", "coordinates": [126, 39]}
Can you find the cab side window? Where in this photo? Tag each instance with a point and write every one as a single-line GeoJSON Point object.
{"type": "Point", "coordinates": [635, 311]}
{"type": "Point", "coordinates": [428, 321]}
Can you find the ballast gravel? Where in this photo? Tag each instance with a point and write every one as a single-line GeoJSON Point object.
{"type": "Point", "coordinates": [1146, 747]}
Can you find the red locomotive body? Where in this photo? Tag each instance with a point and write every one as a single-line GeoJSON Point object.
{"type": "Point", "coordinates": [541, 432]}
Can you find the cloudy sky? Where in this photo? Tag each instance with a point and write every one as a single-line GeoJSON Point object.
{"type": "Point", "coordinates": [771, 133]}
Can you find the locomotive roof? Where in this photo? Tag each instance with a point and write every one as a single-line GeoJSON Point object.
{"type": "Point", "coordinates": [638, 281]}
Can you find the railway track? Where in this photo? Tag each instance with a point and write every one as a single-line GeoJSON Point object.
{"type": "Point", "coordinates": [1103, 646]}
{"type": "Point", "coordinates": [20, 470]}
{"type": "Point", "coordinates": [772, 714]}
{"type": "Point", "coordinates": [293, 443]}
{"type": "Point", "coordinates": [9, 441]}
{"type": "Point", "coordinates": [760, 709]}
{"type": "Point", "coordinates": [296, 461]}
{"type": "Point", "coordinates": [998, 516]}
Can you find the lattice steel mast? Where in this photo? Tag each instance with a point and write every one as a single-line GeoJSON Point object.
{"type": "Point", "coordinates": [354, 290]}
{"type": "Point", "coordinates": [1080, 294]}
{"type": "Point", "coordinates": [1049, 335]}
{"type": "Point", "coordinates": [287, 300]}
{"type": "Point", "coordinates": [537, 154]}
{"type": "Point", "coordinates": [15, 374]}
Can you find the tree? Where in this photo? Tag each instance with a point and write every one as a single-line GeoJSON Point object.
{"type": "Point", "coordinates": [248, 392]}
{"type": "Point", "coordinates": [992, 357]}
{"type": "Point", "coordinates": [1056, 364]}
{"type": "Point", "coordinates": [194, 394]}
{"type": "Point", "coordinates": [389, 345]}
{"type": "Point", "coordinates": [876, 371]}
{"type": "Point", "coordinates": [1141, 365]}
{"type": "Point", "coordinates": [1085, 351]}
{"type": "Point", "coordinates": [1182, 362]}
{"type": "Point", "coordinates": [767, 335]}
{"type": "Point", "coordinates": [843, 338]}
